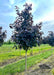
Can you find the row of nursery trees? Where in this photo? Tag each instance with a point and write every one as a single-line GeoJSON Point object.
{"type": "Point", "coordinates": [27, 35]}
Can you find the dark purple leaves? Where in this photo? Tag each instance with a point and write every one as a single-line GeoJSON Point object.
{"type": "Point", "coordinates": [27, 34]}
{"type": "Point", "coordinates": [2, 36]}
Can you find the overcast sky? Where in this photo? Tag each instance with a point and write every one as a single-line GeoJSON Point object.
{"type": "Point", "coordinates": [42, 10]}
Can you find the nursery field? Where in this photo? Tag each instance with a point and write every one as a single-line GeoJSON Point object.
{"type": "Point", "coordinates": [12, 61]}
{"type": "Point", "coordinates": [9, 54]}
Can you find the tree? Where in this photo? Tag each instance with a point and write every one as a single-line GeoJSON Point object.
{"type": "Point", "coordinates": [49, 39]}
{"type": "Point", "coordinates": [2, 36]}
{"type": "Point", "coordinates": [25, 34]}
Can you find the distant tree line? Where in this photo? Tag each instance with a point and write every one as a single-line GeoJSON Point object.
{"type": "Point", "coordinates": [9, 42]}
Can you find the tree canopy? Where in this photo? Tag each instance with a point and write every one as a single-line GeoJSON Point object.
{"type": "Point", "coordinates": [2, 36]}
{"type": "Point", "coordinates": [25, 33]}
{"type": "Point", "coordinates": [49, 39]}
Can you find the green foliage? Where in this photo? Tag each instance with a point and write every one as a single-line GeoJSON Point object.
{"type": "Point", "coordinates": [9, 42]}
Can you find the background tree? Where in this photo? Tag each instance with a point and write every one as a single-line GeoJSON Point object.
{"type": "Point", "coordinates": [49, 39]}
{"type": "Point", "coordinates": [25, 34]}
{"type": "Point", "coordinates": [2, 36]}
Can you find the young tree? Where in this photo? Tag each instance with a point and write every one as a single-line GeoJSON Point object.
{"type": "Point", "coordinates": [25, 34]}
{"type": "Point", "coordinates": [2, 36]}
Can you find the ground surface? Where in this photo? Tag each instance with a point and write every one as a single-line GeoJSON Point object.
{"type": "Point", "coordinates": [11, 62]}
{"type": "Point", "coordinates": [36, 70]}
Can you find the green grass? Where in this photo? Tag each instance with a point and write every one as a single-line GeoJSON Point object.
{"type": "Point", "coordinates": [7, 52]}
{"type": "Point", "coordinates": [19, 66]}
{"type": "Point", "coordinates": [6, 48]}
{"type": "Point", "coordinates": [52, 71]}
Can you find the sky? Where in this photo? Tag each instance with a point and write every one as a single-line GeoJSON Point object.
{"type": "Point", "coordinates": [42, 11]}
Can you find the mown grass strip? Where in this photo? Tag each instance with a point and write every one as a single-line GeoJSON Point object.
{"type": "Point", "coordinates": [20, 65]}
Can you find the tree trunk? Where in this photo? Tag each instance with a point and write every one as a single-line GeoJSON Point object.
{"type": "Point", "coordinates": [26, 62]}
{"type": "Point", "coordinates": [39, 49]}
{"type": "Point", "coordinates": [20, 52]}
{"type": "Point", "coordinates": [31, 53]}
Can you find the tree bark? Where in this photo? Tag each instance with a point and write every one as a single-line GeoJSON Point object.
{"type": "Point", "coordinates": [26, 62]}
{"type": "Point", "coordinates": [20, 52]}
